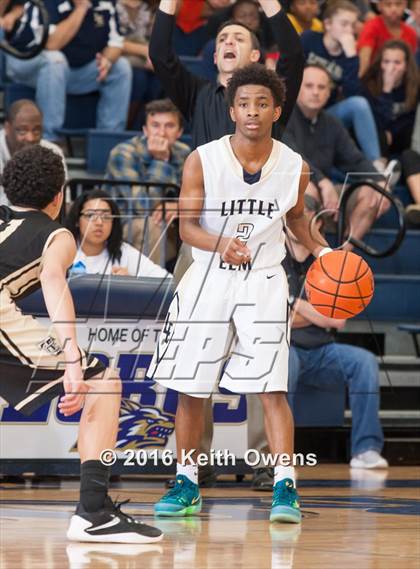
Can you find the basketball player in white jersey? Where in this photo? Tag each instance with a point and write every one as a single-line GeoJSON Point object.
{"type": "Point", "coordinates": [237, 194]}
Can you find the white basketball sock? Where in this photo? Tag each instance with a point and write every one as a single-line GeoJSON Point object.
{"type": "Point", "coordinates": [282, 472]}
{"type": "Point", "coordinates": [189, 470]}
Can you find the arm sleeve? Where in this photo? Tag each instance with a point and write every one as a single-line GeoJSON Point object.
{"type": "Point", "coordinates": [291, 61]}
{"type": "Point", "coordinates": [382, 109]}
{"type": "Point", "coordinates": [181, 86]}
{"type": "Point", "coordinates": [115, 38]}
{"type": "Point", "coordinates": [53, 14]}
{"type": "Point", "coordinates": [351, 82]}
{"type": "Point", "coordinates": [290, 140]}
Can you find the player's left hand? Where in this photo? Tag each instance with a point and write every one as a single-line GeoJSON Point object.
{"type": "Point", "coordinates": [234, 251]}
{"type": "Point", "coordinates": [75, 388]}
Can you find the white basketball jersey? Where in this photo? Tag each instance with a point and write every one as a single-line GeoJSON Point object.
{"type": "Point", "coordinates": [253, 213]}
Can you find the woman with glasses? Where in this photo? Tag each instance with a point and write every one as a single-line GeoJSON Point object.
{"type": "Point", "coordinates": [95, 221]}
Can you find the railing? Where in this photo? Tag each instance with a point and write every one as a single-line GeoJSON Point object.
{"type": "Point", "coordinates": [395, 204]}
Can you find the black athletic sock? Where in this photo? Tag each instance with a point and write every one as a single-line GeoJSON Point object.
{"type": "Point", "coordinates": [94, 481]}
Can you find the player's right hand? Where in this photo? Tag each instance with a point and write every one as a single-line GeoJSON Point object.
{"type": "Point", "coordinates": [75, 390]}
{"type": "Point", "coordinates": [234, 251]}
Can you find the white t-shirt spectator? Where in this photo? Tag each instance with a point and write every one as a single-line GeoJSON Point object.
{"type": "Point", "coordinates": [5, 157]}
{"type": "Point", "coordinates": [138, 265]}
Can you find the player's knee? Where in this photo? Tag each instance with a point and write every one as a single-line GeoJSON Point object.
{"type": "Point", "coordinates": [109, 382]}
{"type": "Point", "coordinates": [188, 402]}
{"type": "Point", "coordinates": [273, 399]}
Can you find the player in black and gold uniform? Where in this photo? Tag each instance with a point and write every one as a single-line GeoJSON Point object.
{"type": "Point", "coordinates": [38, 363]}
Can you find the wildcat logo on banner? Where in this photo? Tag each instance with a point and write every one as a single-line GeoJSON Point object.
{"type": "Point", "coordinates": [147, 417]}
{"type": "Point", "coordinates": [143, 427]}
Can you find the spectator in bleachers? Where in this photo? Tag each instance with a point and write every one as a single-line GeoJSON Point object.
{"type": "Point", "coordinates": [411, 169]}
{"type": "Point", "coordinates": [191, 32]}
{"type": "Point", "coordinates": [82, 55]}
{"type": "Point", "coordinates": [155, 156]}
{"type": "Point", "coordinates": [315, 359]}
{"type": "Point", "coordinates": [204, 103]}
{"type": "Point", "coordinates": [136, 20]}
{"type": "Point", "coordinates": [387, 26]}
{"type": "Point", "coordinates": [392, 88]}
{"type": "Point", "coordinates": [22, 128]}
{"type": "Point", "coordinates": [365, 13]}
{"type": "Point", "coordinates": [303, 15]}
{"type": "Point", "coordinates": [414, 22]}
{"type": "Point", "coordinates": [248, 13]}
{"type": "Point", "coordinates": [414, 19]}
{"type": "Point", "coordinates": [325, 144]}
{"type": "Point", "coordinates": [336, 50]}
{"type": "Point", "coordinates": [95, 222]}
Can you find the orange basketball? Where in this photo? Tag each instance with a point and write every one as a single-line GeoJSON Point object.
{"type": "Point", "coordinates": [339, 284]}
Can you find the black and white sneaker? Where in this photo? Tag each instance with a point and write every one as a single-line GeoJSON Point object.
{"type": "Point", "coordinates": [110, 525]}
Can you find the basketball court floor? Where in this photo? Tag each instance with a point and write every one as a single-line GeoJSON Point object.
{"type": "Point", "coordinates": [369, 520]}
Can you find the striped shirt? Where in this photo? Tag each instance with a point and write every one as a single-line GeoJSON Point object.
{"type": "Point", "coordinates": [132, 161]}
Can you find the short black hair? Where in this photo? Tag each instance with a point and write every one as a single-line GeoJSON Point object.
{"type": "Point", "coordinates": [256, 74]}
{"type": "Point", "coordinates": [163, 106]}
{"type": "Point", "coordinates": [115, 239]}
{"type": "Point", "coordinates": [254, 40]}
{"type": "Point", "coordinates": [33, 177]}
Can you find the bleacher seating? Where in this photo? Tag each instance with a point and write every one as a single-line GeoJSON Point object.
{"type": "Point", "coordinates": [80, 109]}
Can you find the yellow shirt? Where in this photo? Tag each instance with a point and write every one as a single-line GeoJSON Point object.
{"type": "Point", "coordinates": [316, 25]}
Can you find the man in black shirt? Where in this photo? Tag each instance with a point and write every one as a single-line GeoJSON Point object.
{"type": "Point", "coordinates": [203, 102]}
{"type": "Point", "coordinates": [326, 145]}
{"type": "Point", "coordinates": [316, 359]}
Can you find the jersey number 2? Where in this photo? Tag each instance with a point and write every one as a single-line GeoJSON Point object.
{"type": "Point", "coordinates": [243, 231]}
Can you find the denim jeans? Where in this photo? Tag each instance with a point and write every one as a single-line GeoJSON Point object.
{"type": "Point", "coordinates": [51, 76]}
{"type": "Point", "coordinates": [358, 370]}
{"type": "Point", "coordinates": [355, 112]}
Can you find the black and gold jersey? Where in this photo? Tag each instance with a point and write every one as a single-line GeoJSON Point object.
{"type": "Point", "coordinates": [24, 237]}
{"type": "Point", "coordinates": [32, 361]}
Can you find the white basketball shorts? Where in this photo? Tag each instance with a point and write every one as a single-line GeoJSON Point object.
{"type": "Point", "coordinates": [231, 321]}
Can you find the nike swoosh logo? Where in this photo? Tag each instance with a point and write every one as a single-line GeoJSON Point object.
{"type": "Point", "coordinates": [271, 276]}
{"type": "Point", "coordinates": [113, 522]}
{"type": "Point", "coordinates": [195, 500]}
